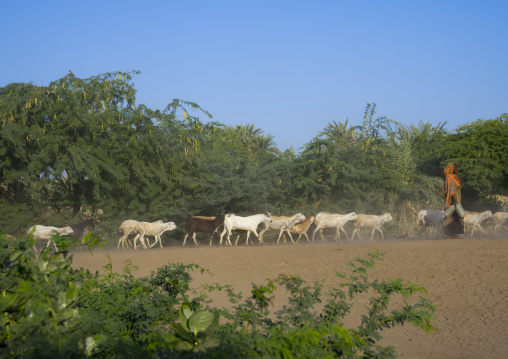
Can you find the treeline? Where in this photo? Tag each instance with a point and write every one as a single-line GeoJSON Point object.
{"type": "Point", "coordinates": [86, 143]}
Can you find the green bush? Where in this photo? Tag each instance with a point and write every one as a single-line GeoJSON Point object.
{"type": "Point", "coordinates": [50, 310]}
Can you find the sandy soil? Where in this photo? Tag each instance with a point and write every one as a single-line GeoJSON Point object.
{"type": "Point", "coordinates": [466, 278]}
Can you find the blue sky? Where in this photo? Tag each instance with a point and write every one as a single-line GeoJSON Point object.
{"type": "Point", "coordinates": [288, 67]}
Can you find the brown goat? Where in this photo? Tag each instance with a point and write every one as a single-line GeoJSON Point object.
{"type": "Point", "coordinates": [202, 224]}
{"type": "Point", "coordinates": [301, 228]}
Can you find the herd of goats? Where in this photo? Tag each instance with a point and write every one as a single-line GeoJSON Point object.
{"type": "Point", "coordinates": [296, 224]}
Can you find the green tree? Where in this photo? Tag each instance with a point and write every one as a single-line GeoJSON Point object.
{"type": "Point", "coordinates": [66, 138]}
{"type": "Point", "coordinates": [480, 150]}
{"type": "Point", "coordinates": [225, 175]}
{"type": "Point", "coordinates": [374, 128]}
{"type": "Point", "coordinates": [253, 139]}
{"type": "Point", "coordinates": [340, 135]}
{"type": "Point", "coordinates": [426, 139]}
{"type": "Point", "coordinates": [85, 142]}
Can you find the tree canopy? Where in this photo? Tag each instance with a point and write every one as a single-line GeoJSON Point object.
{"type": "Point", "coordinates": [87, 143]}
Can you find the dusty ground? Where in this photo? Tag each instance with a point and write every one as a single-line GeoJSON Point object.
{"type": "Point", "coordinates": [466, 278]}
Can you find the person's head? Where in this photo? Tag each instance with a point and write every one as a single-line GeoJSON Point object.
{"type": "Point", "coordinates": [450, 168]}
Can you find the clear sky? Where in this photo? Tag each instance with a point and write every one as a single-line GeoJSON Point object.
{"type": "Point", "coordinates": [288, 67]}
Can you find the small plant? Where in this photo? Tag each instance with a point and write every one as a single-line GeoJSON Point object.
{"type": "Point", "coordinates": [196, 328]}
{"type": "Point", "coordinates": [299, 331]}
{"type": "Point", "coordinates": [37, 303]}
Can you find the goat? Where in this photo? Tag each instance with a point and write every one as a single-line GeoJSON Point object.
{"type": "Point", "coordinates": [155, 229]}
{"type": "Point", "coordinates": [429, 218]}
{"type": "Point", "coordinates": [207, 225]}
{"type": "Point", "coordinates": [46, 232]}
{"type": "Point", "coordinates": [250, 224]}
{"type": "Point", "coordinates": [501, 219]}
{"type": "Point", "coordinates": [82, 229]}
{"type": "Point", "coordinates": [475, 219]}
{"type": "Point", "coordinates": [301, 228]}
{"type": "Point", "coordinates": [281, 223]}
{"type": "Point", "coordinates": [332, 220]}
{"type": "Point", "coordinates": [371, 221]}
{"type": "Point", "coordinates": [127, 228]}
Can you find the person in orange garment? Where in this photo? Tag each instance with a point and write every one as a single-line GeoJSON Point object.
{"type": "Point", "coordinates": [453, 223]}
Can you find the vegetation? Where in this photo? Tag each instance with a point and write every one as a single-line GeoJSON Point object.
{"type": "Point", "coordinates": [78, 146]}
{"type": "Point", "coordinates": [86, 143]}
{"type": "Point", "coordinates": [52, 311]}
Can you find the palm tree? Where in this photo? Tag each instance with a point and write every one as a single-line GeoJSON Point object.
{"type": "Point", "coordinates": [420, 133]}
{"type": "Point", "coordinates": [425, 130]}
{"type": "Point", "coordinates": [253, 139]}
{"type": "Point", "coordinates": [340, 135]}
{"type": "Point", "coordinates": [267, 145]}
{"type": "Point", "coordinates": [248, 133]}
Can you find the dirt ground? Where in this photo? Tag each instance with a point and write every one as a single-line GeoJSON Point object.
{"type": "Point", "coordinates": [466, 278]}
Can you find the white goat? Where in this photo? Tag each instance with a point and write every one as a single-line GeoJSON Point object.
{"type": "Point", "coordinates": [127, 228]}
{"type": "Point", "coordinates": [431, 218]}
{"type": "Point", "coordinates": [371, 221]}
{"type": "Point", "coordinates": [281, 223]}
{"type": "Point", "coordinates": [46, 232]}
{"type": "Point", "coordinates": [332, 220]}
{"type": "Point", "coordinates": [155, 229]}
{"type": "Point", "coordinates": [501, 219]}
{"type": "Point", "coordinates": [475, 219]}
{"type": "Point", "coordinates": [249, 224]}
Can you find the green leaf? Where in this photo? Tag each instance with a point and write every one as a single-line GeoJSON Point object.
{"type": "Point", "coordinates": [200, 320]}
{"type": "Point", "coordinates": [182, 333]}
{"type": "Point", "coordinates": [70, 295]}
{"type": "Point", "coordinates": [178, 328]}
{"type": "Point", "coordinates": [215, 323]}
{"type": "Point", "coordinates": [184, 313]}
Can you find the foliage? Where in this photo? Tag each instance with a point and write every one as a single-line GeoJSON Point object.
{"type": "Point", "coordinates": [129, 314]}
{"type": "Point", "coordinates": [298, 331]}
{"type": "Point", "coordinates": [480, 150]}
{"type": "Point", "coordinates": [86, 143]}
{"type": "Point", "coordinates": [50, 310]}
{"type": "Point", "coordinates": [374, 171]}
{"type": "Point", "coordinates": [38, 319]}
{"type": "Point", "coordinates": [196, 328]}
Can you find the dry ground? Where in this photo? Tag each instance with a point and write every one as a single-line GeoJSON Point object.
{"type": "Point", "coordinates": [466, 278]}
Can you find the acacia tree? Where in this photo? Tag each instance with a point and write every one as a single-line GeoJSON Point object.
{"type": "Point", "coordinates": [84, 142]}
{"type": "Point", "coordinates": [480, 150]}
{"type": "Point", "coordinates": [225, 174]}
{"type": "Point", "coordinates": [64, 136]}
{"type": "Point", "coordinates": [16, 150]}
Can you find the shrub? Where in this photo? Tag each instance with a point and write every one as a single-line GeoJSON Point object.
{"type": "Point", "coordinates": [51, 310]}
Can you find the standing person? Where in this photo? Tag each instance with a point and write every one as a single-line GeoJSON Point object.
{"type": "Point", "coordinates": [453, 223]}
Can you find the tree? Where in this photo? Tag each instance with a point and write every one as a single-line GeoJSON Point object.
{"type": "Point", "coordinates": [84, 142]}
{"type": "Point", "coordinates": [253, 139]}
{"type": "Point", "coordinates": [340, 135]}
{"type": "Point", "coordinates": [373, 127]}
{"type": "Point", "coordinates": [480, 150]}
{"type": "Point", "coordinates": [426, 150]}
{"type": "Point", "coordinates": [68, 136]}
